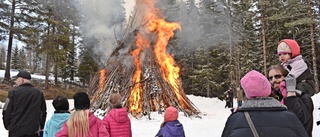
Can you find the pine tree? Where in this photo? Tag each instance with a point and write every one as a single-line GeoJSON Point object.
{"type": "Point", "coordinates": [22, 64]}
{"type": "Point", "coordinates": [15, 58]}
{"type": "Point", "coordinates": [88, 67]}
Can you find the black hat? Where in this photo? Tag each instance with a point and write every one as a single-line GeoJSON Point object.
{"type": "Point", "coordinates": [23, 74]}
{"type": "Point", "coordinates": [81, 101]}
{"type": "Point", "coordinates": [60, 103]}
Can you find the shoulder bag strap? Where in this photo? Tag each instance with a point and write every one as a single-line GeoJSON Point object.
{"type": "Point", "coordinates": [253, 129]}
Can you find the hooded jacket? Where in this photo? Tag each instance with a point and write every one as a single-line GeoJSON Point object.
{"type": "Point", "coordinates": [171, 129]}
{"type": "Point", "coordinates": [54, 124]}
{"type": "Point", "coordinates": [270, 118]}
{"type": "Point", "coordinates": [118, 123]}
{"type": "Point", "coordinates": [96, 128]}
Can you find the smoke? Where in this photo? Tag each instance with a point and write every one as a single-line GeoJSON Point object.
{"type": "Point", "coordinates": [102, 20]}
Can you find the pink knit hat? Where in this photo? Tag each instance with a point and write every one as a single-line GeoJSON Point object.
{"type": "Point", "coordinates": [171, 114]}
{"type": "Point", "coordinates": [255, 84]}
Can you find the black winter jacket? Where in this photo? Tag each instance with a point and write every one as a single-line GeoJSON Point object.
{"type": "Point", "coordinates": [24, 112]}
{"type": "Point", "coordinates": [270, 118]}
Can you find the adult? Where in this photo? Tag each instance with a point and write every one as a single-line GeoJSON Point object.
{"type": "Point", "coordinates": [239, 96]}
{"type": "Point", "coordinates": [24, 112]}
{"type": "Point", "coordinates": [117, 121]}
{"type": "Point", "coordinates": [299, 103]}
{"type": "Point", "coordinates": [260, 114]}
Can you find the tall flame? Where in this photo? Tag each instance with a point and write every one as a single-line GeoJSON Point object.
{"type": "Point", "coordinates": [135, 99]}
{"type": "Point", "coordinates": [168, 68]}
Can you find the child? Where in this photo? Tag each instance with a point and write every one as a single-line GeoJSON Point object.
{"type": "Point", "coordinates": [171, 127]}
{"type": "Point", "coordinates": [82, 123]}
{"type": "Point", "coordinates": [117, 121]}
{"type": "Point", "coordinates": [289, 55]}
{"type": "Point", "coordinates": [60, 116]}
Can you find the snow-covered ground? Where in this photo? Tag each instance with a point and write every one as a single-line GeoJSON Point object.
{"type": "Point", "coordinates": [210, 125]}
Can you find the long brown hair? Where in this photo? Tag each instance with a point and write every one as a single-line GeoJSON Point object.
{"type": "Point", "coordinates": [279, 68]}
{"type": "Point", "coordinates": [78, 123]}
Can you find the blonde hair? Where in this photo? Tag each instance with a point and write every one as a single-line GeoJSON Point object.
{"type": "Point", "coordinates": [78, 123]}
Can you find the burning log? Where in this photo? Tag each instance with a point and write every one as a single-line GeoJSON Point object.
{"type": "Point", "coordinates": [141, 70]}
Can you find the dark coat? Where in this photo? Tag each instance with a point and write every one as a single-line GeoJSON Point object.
{"type": "Point", "coordinates": [24, 112]}
{"type": "Point", "coordinates": [270, 118]}
{"type": "Point", "coordinates": [171, 129]}
{"type": "Point", "coordinates": [302, 105]}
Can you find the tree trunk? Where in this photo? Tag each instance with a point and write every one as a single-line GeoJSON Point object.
{"type": "Point", "coordinates": [8, 64]}
{"type": "Point", "coordinates": [263, 31]}
{"type": "Point", "coordinates": [314, 61]}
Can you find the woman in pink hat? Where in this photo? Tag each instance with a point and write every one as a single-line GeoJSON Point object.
{"type": "Point", "coordinates": [261, 115]}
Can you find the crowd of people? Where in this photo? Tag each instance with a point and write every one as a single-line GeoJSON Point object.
{"type": "Point", "coordinates": [24, 115]}
{"type": "Point", "coordinates": [276, 104]}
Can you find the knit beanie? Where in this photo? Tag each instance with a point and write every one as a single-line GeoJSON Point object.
{"type": "Point", "coordinates": [255, 84]}
{"type": "Point", "coordinates": [60, 103]}
{"type": "Point", "coordinates": [170, 114]}
{"type": "Point", "coordinates": [289, 46]}
{"type": "Point", "coordinates": [115, 100]}
{"type": "Point", "coordinates": [81, 101]}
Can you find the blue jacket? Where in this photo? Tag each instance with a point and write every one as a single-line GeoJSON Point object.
{"type": "Point", "coordinates": [55, 123]}
{"type": "Point", "coordinates": [171, 129]}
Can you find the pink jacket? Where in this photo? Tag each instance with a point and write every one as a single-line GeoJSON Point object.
{"type": "Point", "coordinates": [118, 123]}
{"type": "Point", "coordinates": [96, 127]}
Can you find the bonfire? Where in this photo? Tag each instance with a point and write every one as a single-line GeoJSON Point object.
{"type": "Point", "coordinates": [141, 70]}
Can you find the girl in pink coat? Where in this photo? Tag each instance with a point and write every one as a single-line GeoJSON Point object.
{"type": "Point", "coordinates": [117, 121]}
{"type": "Point", "coordinates": [82, 123]}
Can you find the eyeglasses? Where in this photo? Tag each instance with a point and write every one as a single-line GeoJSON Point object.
{"type": "Point", "coordinates": [275, 76]}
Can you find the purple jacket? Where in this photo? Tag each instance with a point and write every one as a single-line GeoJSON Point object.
{"type": "Point", "coordinates": [96, 127]}
{"type": "Point", "coordinates": [171, 129]}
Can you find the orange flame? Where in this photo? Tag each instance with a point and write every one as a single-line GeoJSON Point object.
{"type": "Point", "coordinates": [168, 68]}
{"type": "Point", "coordinates": [136, 92]}
{"type": "Point", "coordinates": [102, 78]}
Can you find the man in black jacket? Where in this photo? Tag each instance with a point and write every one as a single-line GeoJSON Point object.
{"type": "Point", "coordinates": [24, 112]}
{"type": "Point", "coordinates": [298, 99]}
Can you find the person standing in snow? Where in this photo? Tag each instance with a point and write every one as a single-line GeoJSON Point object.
{"type": "Point", "coordinates": [260, 114]}
{"type": "Point", "coordinates": [240, 97]}
{"type": "Point", "coordinates": [299, 103]}
{"type": "Point", "coordinates": [171, 127]}
{"type": "Point", "coordinates": [60, 116]}
{"type": "Point", "coordinates": [24, 112]}
{"type": "Point", "coordinates": [82, 122]}
{"type": "Point", "coordinates": [117, 121]}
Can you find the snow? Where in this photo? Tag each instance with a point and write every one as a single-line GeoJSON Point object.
{"type": "Point", "coordinates": [211, 123]}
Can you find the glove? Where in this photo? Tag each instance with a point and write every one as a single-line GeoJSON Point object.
{"type": "Point", "coordinates": [291, 83]}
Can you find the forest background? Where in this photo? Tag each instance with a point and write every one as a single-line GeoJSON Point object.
{"type": "Point", "coordinates": [219, 41]}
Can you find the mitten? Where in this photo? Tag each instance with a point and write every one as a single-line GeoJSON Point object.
{"type": "Point", "coordinates": [291, 83]}
{"type": "Point", "coordinates": [283, 90]}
